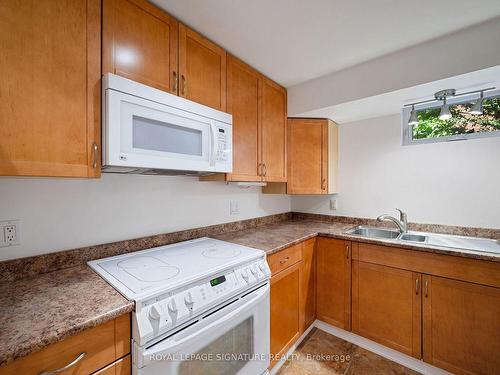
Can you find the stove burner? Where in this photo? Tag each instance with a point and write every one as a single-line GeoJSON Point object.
{"type": "Point", "coordinates": [221, 253]}
{"type": "Point", "coordinates": [149, 269]}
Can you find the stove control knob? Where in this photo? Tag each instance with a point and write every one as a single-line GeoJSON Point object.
{"type": "Point", "coordinates": [172, 307]}
{"type": "Point", "coordinates": [245, 275]}
{"type": "Point", "coordinates": [154, 313]}
{"type": "Point", "coordinates": [254, 270]}
{"type": "Point", "coordinates": [188, 300]}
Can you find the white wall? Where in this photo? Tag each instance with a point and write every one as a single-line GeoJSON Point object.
{"type": "Point", "coordinates": [456, 183]}
{"type": "Point", "coordinates": [451, 55]}
{"type": "Point", "coordinates": [59, 214]}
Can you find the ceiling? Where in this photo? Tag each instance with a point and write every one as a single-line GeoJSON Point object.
{"type": "Point", "coordinates": [293, 41]}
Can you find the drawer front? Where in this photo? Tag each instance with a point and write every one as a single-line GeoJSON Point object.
{"type": "Point", "coordinates": [98, 344]}
{"type": "Point", "coordinates": [121, 366]}
{"type": "Point", "coordinates": [285, 258]}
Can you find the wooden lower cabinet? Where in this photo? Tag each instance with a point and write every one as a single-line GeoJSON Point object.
{"type": "Point", "coordinates": [333, 268]}
{"type": "Point", "coordinates": [461, 326]}
{"type": "Point", "coordinates": [307, 286]}
{"type": "Point", "coordinates": [106, 348]}
{"type": "Point", "coordinates": [284, 310]}
{"type": "Point", "coordinates": [386, 306]}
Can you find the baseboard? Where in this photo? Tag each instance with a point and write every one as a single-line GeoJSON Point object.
{"type": "Point", "coordinates": [292, 348]}
{"type": "Point", "coordinates": [383, 351]}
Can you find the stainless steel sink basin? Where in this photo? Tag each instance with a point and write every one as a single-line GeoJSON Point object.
{"type": "Point", "coordinates": [412, 237]}
{"type": "Point", "coordinates": [433, 239]}
{"type": "Point", "coordinates": [372, 232]}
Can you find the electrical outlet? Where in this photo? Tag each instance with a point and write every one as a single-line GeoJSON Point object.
{"type": "Point", "coordinates": [333, 204]}
{"type": "Point", "coordinates": [10, 233]}
{"type": "Point", "coordinates": [234, 208]}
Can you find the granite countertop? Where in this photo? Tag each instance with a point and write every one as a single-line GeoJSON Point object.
{"type": "Point", "coordinates": [275, 237]}
{"type": "Point", "coordinates": [41, 309]}
{"type": "Point", "coordinates": [47, 308]}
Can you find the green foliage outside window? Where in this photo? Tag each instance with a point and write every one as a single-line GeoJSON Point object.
{"type": "Point", "coordinates": [462, 122]}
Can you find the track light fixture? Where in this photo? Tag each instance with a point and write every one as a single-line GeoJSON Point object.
{"type": "Point", "coordinates": [413, 116]}
{"type": "Point", "coordinates": [477, 107]}
{"type": "Point", "coordinates": [443, 96]}
{"type": "Point", "coordinates": [445, 113]}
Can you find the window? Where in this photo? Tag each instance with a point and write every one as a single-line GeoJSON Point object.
{"type": "Point", "coordinates": [462, 125]}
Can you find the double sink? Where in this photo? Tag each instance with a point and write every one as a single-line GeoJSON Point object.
{"type": "Point", "coordinates": [427, 238]}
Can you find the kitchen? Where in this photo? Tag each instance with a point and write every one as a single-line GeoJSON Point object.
{"type": "Point", "coordinates": [194, 187]}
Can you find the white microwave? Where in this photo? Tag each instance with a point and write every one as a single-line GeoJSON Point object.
{"type": "Point", "coordinates": [149, 131]}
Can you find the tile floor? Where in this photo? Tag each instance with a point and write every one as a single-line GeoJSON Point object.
{"type": "Point", "coordinates": [321, 353]}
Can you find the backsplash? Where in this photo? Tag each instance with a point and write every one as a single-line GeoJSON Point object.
{"type": "Point", "coordinates": [31, 266]}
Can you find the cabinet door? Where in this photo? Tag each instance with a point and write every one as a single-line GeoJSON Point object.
{"type": "Point", "coordinates": [273, 131]}
{"type": "Point", "coordinates": [307, 156]}
{"type": "Point", "coordinates": [307, 311]}
{"type": "Point", "coordinates": [50, 88]}
{"type": "Point", "coordinates": [243, 85]}
{"type": "Point", "coordinates": [202, 65]}
{"type": "Point", "coordinates": [140, 43]}
{"type": "Point", "coordinates": [284, 310]}
{"type": "Point", "coordinates": [386, 306]}
{"type": "Point", "coordinates": [333, 262]}
{"type": "Point", "coordinates": [461, 326]}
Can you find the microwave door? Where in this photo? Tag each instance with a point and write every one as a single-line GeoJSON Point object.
{"type": "Point", "coordinates": [152, 135]}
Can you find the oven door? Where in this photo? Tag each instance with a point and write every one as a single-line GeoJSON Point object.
{"type": "Point", "coordinates": [142, 133]}
{"type": "Point", "coordinates": [232, 340]}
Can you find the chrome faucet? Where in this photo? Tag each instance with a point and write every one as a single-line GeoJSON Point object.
{"type": "Point", "coordinates": [402, 223]}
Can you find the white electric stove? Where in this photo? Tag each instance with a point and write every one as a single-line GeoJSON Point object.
{"type": "Point", "coordinates": [201, 307]}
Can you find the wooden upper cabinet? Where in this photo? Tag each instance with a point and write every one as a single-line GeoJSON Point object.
{"type": "Point", "coordinates": [312, 156]}
{"type": "Point", "coordinates": [273, 133]}
{"type": "Point", "coordinates": [461, 326]}
{"type": "Point", "coordinates": [140, 43]}
{"type": "Point", "coordinates": [50, 88]}
{"type": "Point", "coordinates": [202, 68]}
{"type": "Point", "coordinates": [243, 84]}
{"type": "Point", "coordinates": [386, 306]}
{"type": "Point", "coordinates": [333, 285]}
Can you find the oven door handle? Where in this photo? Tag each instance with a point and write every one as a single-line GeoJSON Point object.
{"type": "Point", "coordinates": [171, 345]}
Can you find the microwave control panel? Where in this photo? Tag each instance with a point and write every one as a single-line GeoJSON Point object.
{"type": "Point", "coordinates": [222, 140]}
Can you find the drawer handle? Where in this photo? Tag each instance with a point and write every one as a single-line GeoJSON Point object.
{"type": "Point", "coordinates": [284, 260]}
{"type": "Point", "coordinates": [69, 365]}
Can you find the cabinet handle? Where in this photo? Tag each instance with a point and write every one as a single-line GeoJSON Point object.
{"type": "Point", "coordinates": [95, 150]}
{"type": "Point", "coordinates": [284, 260]}
{"type": "Point", "coordinates": [426, 288]}
{"type": "Point", "coordinates": [265, 169]}
{"type": "Point", "coordinates": [323, 184]}
{"type": "Point", "coordinates": [184, 84]}
{"type": "Point", "coordinates": [347, 251]}
{"type": "Point", "coordinates": [416, 287]}
{"type": "Point", "coordinates": [176, 81]}
{"type": "Point", "coordinates": [69, 365]}
{"type": "Point", "coordinates": [259, 169]}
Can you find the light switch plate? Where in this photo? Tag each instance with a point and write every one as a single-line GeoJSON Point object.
{"type": "Point", "coordinates": [334, 204]}
{"type": "Point", "coordinates": [234, 208]}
